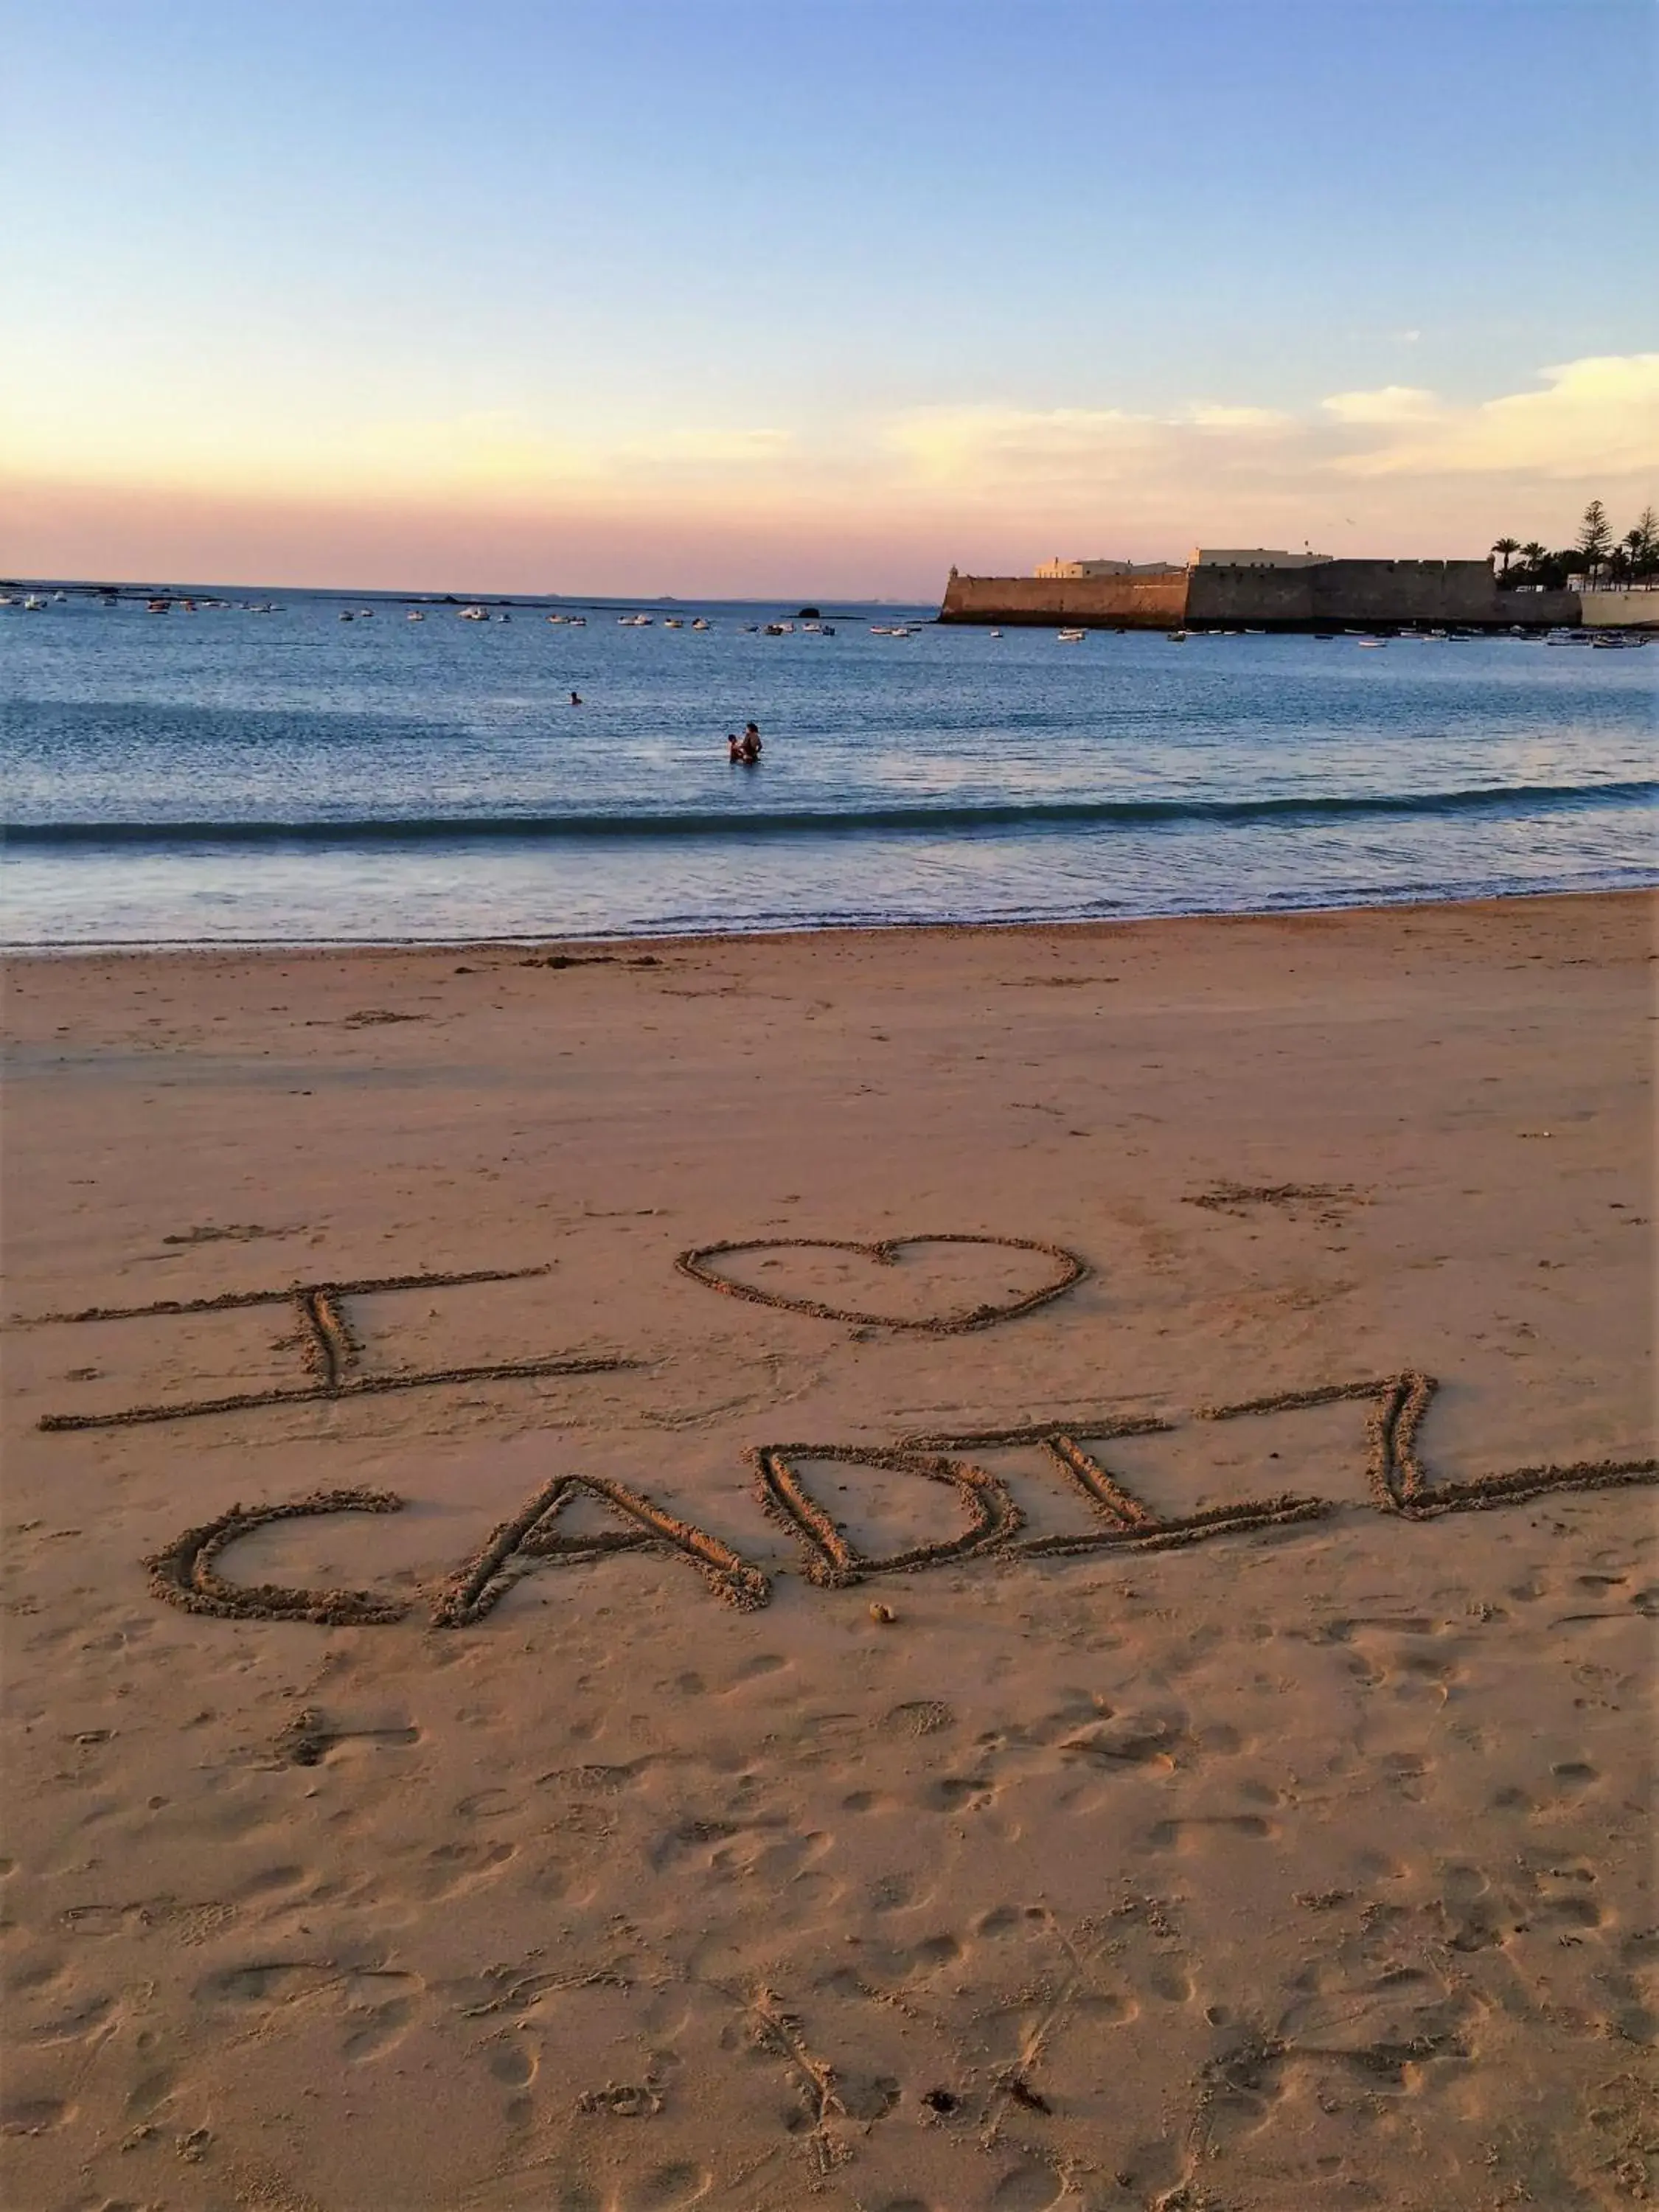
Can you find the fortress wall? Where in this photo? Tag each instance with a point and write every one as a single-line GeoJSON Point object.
{"type": "Point", "coordinates": [1432, 593]}
{"type": "Point", "coordinates": [1145, 602]}
{"type": "Point", "coordinates": [1235, 597]}
{"type": "Point", "coordinates": [1621, 610]}
{"type": "Point", "coordinates": [1436, 594]}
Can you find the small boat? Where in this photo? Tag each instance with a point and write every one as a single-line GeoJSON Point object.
{"type": "Point", "coordinates": [996, 633]}
{"type": "Point", "coordinates": [1376, 644]}
{"type": "Point", "coordinates": [60, 599]}
{"type": "Point", "coordinates": [1070, 637]}
{"type": "Point", "coordinates": [345, 615]}
{"type": "Point", "coordinates": [700, 624]}
{"type": "Point", "coordinates": [158, 606]}
{"type": "Point", "coordinates": [555, 618]}
{"type": "Point", "coordinates": [579, 622]}
{"type": "Point", "coordinates": [673, 622]}
{"type": "Point", "coordinates": [35, 605]}
{"type": "Point", "coordinates": [826, 629]}
{"type": "Point", "coordinates": [414, 615]}
{"type": "Point", "coordinates": [503, 618]}
{"type": "Point", "coordinates": [1177, 637]}
{"type": "Point", "coordinates": [8, 599]}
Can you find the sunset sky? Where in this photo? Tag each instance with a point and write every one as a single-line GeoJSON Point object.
{"type": "Point", "coordinates": [723, 297]}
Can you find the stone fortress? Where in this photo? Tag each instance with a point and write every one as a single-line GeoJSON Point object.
{"type": "Point", "coordinates": [1257, 587]}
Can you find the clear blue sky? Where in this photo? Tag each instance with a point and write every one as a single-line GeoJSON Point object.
{"type": "Point", "coordinates": [592, 270]}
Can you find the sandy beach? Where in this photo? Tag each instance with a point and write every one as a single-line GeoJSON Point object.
{"type": "Point", "coordinates": [1241, 1802]}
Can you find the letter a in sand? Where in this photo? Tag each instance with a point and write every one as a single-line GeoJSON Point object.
{"type": "Point", "coordinates": [534, 1533]}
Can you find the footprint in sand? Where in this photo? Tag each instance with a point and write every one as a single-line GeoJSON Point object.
{"type": "Point", "coordinates": [1199, 1827]}
{"type": "Point", "coordinates": [150, 2092]}
{"type": "Point", "coordinates": [513, 2065]}
{"type": "Point", "coordinates": [374, 2006]}
{"type": "Point", "coordinates": [667, 2189]}
{"type": "Point", "coordinates": [453, 1869]}
{"type": "Point", "coordinates": [1027, 2189]}
{"type": "Point", "coordinates": [921, 1716]}
{"type": "Point", "coordinates": [959, 1793]}
{"type": "Point", "coordinates": [85, 2019]}
{"type": "Point", "coordinates": [23, 2115]}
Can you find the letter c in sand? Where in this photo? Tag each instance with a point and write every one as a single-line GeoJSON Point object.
{"type": "Point", "coordinates": [183, 1572]}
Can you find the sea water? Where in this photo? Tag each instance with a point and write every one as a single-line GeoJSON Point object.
{"type": "Point", "coordinates": [229, 775]}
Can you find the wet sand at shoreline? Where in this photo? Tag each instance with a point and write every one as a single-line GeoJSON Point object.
{"type": "Point", "coordinates": [1114, 1858]}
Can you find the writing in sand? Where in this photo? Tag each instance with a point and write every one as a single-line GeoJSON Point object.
{"type": "Point", "coordinates": [185, 1572]}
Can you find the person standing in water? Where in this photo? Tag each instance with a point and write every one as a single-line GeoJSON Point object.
{"type": "Point", "coordinates": [751, 743]}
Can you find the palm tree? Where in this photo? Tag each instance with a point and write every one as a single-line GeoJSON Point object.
{"type": "Point", "coordinates": [1503, 547]}
{"type": "Point", "coordinates": [1533, 552]}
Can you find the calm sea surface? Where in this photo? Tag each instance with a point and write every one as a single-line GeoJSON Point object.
{"type": "Point", "coordinates": [229, 775]}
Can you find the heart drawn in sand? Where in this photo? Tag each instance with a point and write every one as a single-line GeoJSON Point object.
{"type": "Point", "coordinates": [889, 1252]}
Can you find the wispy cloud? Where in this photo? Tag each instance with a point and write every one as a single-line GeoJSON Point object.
{"type": "Point", "coordinates": [1598, 416]}
{"type": "Point", "coordinates": [1595, 416]}
{"type": "Point", "coordinates": [1394, 403]}
{"type": "Point", "coordinates": [1239, 418]}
